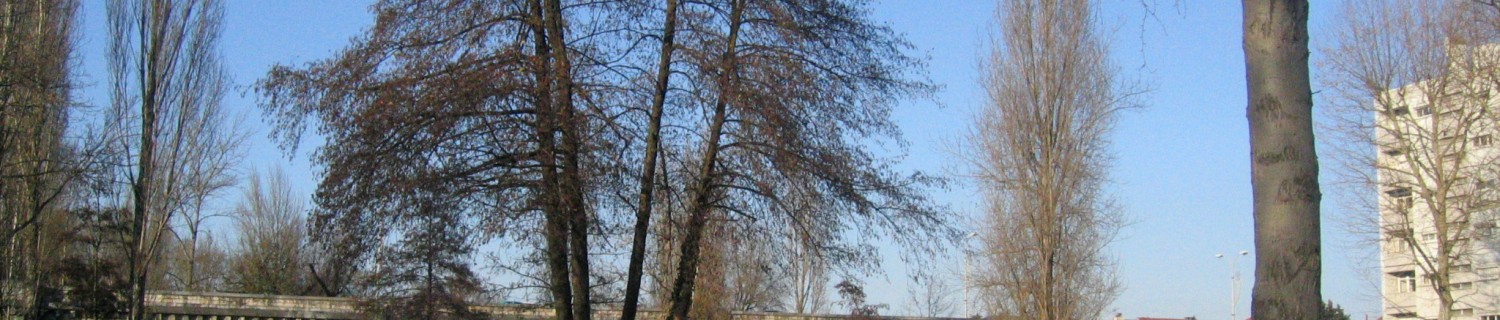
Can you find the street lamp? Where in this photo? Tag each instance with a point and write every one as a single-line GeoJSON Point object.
{"type": "Point", "coordinates": [1234, 283]}
{"type": "Point", "coordinates": [967, 257]}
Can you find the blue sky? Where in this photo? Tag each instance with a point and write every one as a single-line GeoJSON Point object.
{"type": "Point", "coordinates": [1181, 172]}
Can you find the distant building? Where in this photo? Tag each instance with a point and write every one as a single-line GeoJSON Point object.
{"type": "Point", "coordinates": [1437, 155]}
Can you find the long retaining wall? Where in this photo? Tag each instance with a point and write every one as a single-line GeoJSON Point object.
{"type": "Point", "coordinates": [230, 306]}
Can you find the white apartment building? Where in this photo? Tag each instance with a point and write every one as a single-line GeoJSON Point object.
{"type": "Point", "coordinates": [1438, 172]}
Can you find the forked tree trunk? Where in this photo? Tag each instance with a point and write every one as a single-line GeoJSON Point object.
{"type": "Point", "coordinates": [556, 225]}
{"type": "Point", "coordinates": [571, 183]}
{"type": "Point", "coordinates": [1284, 163]}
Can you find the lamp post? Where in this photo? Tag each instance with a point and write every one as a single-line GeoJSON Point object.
{"type": "Point", "coordinates": [1234, 283]}
{"type": "Point", "coordinates": [967, 257]}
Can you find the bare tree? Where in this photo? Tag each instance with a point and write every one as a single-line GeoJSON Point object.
{"type": "Point", "coordinates": [786, 91]}
{"type": "Point", "coordinates": [469, 123]}
{"type": "Point", "coordinates": [930, 296]}
{"type": "Point", "coordinates": [649, 163]}
{"type": "Point", "coordinates": [1284, 163]}
{"type": "Point", "coordinates": [853, 296]}
{"type": "Point", "coordinates": [522, 110]}
{"type": "Point", "coordinates": [196, 262]}
{"type": "Point", "coordinates": [331, 273]}
{"type": "Point", "coordinates": [206, 156]}
{"type": "Point", "coordinates": [748, 267]}
{"type": "Point", "coordinates": [167, 84]}
{"type": "Point", "coordinates": [494, 102]}
{"type": "Point", "coordinates": [559, 87]}
{"type": "Point", "coordinates": [807, 279]}
{"type": "Point", "coordinates": [94, 267]}
{"type": "Point", "coordinates": [751, 278]}
{"type": "Point", "coordinates": [744, 271]}
{"type": "Point", "coordinates": [427, 276]}
{"type": "Point", "coordinates": [713, 298]}
{"type": "Point", "coordinates": [666, 239]}
{"type": "Point", "coordinates": [1040, 156]}
{"type": "Point", "coordinates": [1415, 120]}
{"type": "Point", "coordinates": [740, 271]}
{"type": "Point", "coordinates": [36, 162]}
{"type": "Point", "coordinates": [270, 257]}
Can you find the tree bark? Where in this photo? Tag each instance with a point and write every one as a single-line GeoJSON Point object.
{"type": "Point", "coordinates": [572, 181]}
{"type": "Point", "coordinates": [556, 229]}
{"type": "Point", "coordinates": [1284, 164]}
{"type": "Point", "coordinates": [648, 166]}
{"type": "Point", "coordinates": [699, 208]}
{"type": "Point", "coordinates": [143, 186]}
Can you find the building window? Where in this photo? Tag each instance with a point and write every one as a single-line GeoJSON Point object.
{"type": "Point", "coordinates": [1406, 281]}
{"type": "Point", "coordinates": [1484, 229]}
{"type": "Point", "coordinates": [1400, 205]}
{"type": "Point", "coordinates": [1429, 236]}
{"type": "Point", "coordinates": [1399, 192]}
{"type": "Point", "coordinates": [1490, 317]}
{"type": "Point", "coordinates": [1446, 134]}
{"type": "Point", "coordinates": [1424, 110]}
{"type": "Point", "coordinates": [1401, 199]}
{"type": "Point", "coordinates": [1463, 312]}
{"type": "Point", "coordinates": [1395, 245]}
{"type": "Point", "coordinates": [1461, 286]}
{"type": "Point", "coordinates": [1463, 268]}
{"type": "Point", "coordinates": [1482, 140]}
{"type": "Point", "coordinates": [1400, 111]}
{"type": "Point", "coordinates": [1402, 233]}
{"type": "Point", "coordinates": [1484, 184]}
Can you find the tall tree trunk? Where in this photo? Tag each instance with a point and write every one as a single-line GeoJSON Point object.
{"type": "Point", "coordinates": [699, 208]}
{"type": "Point", "coordinates": [1284, 163]}
{"type": "Point", "coordinates": [7, 100]}
{"type": "Point", "coordinates": [648, 166]}
{"type": "Point", "coordinates": [153, 25]}
{"type": "Point", "coordinates": [556, 229]}
{"type": "Point", "coordinates": [1441, 280]}
{"type": "Point", "coordinates": [1445, 304]}
{"type": "Point", "coordinates": [572, 181]}
{"type": "Point", "coordinates": [38, 274]}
